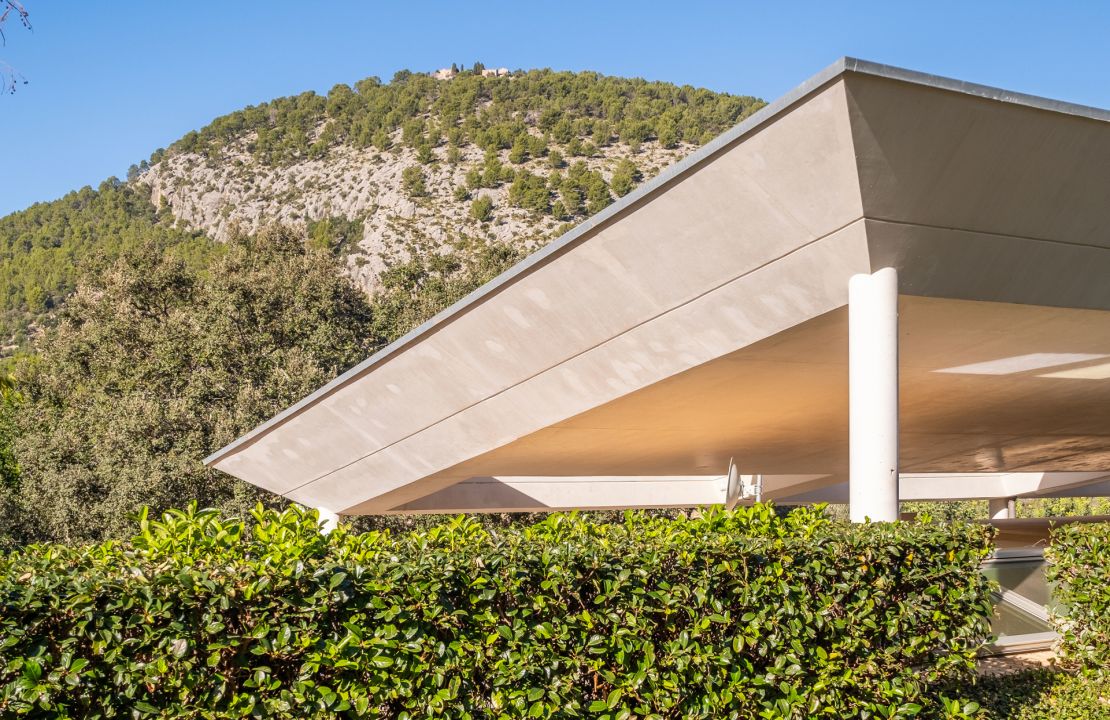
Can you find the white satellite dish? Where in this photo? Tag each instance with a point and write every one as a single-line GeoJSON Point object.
{"type": "Point", "coordinates": [732, 489]}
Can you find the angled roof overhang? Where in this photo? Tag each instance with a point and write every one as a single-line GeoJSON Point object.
{"type": "Point", "coordinates": [703, 317]}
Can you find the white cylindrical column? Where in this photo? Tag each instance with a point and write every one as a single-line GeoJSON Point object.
{"type": "Point", "coordinates": [1001, 508]}
{"type": "Point", "coordinates": [873, 396]}
{"type": "Point", "coordinates": [329, 520]}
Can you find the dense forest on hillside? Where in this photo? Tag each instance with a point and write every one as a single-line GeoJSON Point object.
{"type": "Point", "coordinates": [489, 112]}
{"type": "Point", "coordinates": [44, 249]}
{"type": "Point", "coordinates": [560, 146]}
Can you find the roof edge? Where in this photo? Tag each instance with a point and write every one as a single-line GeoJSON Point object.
{"type": "Point", "coordinates": [687, 165]}
{"type": "Point", "coordinates": [986, 92]}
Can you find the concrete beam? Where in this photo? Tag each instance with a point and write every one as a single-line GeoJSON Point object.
{"type": "Point", "coordinates": [955, 486]}
{"type": "Point", "coordinates": [986, 486]}
{"type": "Point", "coordinates": [609, 492]}
{"type": "Point", "coordinates": [543, 494]}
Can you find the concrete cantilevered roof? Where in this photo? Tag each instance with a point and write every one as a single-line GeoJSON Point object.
{"type": "Point", "coordinates": [703, 316]}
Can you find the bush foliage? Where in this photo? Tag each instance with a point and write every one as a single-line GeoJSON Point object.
{"type": "Point", "coordinates": [741, 614]}
{"type": "Point", "coordinates": [1080, 574]}
{"type": "Point", "coordinates": [152, 364]}
{"type": "Point", "coordinates": [1043, 694]}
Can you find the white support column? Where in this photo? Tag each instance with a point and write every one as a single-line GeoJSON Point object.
{"type": "Point", "coordinates": [873, 396]}
{"type": "Point", "coordinates": [329, 519]}
{"type": "Point", "coordinates": [1001, 508]}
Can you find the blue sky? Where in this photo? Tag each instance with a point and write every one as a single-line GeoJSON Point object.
{"type": "Point", "coordinates": [112, 81]}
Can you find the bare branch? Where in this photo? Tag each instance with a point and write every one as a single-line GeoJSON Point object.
{"type": "Point", "coordinates": [10, 78]}
{"type": "Point", "coordinates": [11, 6]}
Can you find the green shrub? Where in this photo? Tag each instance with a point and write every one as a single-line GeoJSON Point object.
{"type": "Point", "coordinates": [625, 177]}
{"type": "Point", "coordinates": [740, 615]}
{"type": "Point", "coordinates": [1043, 695]}
{"type": "Point", "coordinates": [482, 208]}
{"type": "Point", "coordinates": [530, 192]}
{"type": "Point", "coordinates": [1079, 570]}
{"type": "Point", "coordinates": [493, 171]}
{"type": "Point", "coordinates": [412, 180]}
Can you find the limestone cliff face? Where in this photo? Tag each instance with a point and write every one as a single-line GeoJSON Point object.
{"type": "Point", "coordinates": [216, 194]}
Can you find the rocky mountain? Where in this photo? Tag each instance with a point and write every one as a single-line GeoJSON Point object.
{"type": "Point", "coordinates": [450, 164]}
{"type": "Point", "coordinates": [367, 186]}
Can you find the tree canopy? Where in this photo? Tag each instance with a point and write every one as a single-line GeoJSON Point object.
{"type": "Point", "coordinates": [490, 112]}
{"type": "Point", "coordinates": [153, 364]}
{"type": "Point", "coordinates": [45, 248]}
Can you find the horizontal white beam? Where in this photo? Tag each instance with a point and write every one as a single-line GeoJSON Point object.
{"type": "Point", "coordinates": [960, 486]}
{"type": "Point", "coordinates": [608, 492]}
{"type": "Point", "coordinates": [1100, 488]}
{"type": "Point", "coordinates": [981, 486]}
{"type": "Point", "coordinates": [541, 494]}
{"type": "Point", "coordinates": [604, 492]}
{"type": "Point", "coordinates": [780, 487]}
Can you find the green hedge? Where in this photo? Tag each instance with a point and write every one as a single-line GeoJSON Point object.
{"type": "Point", "coordinates": [1043, 694]}
{"type": "Point", "coordinates": [730, 615]}
{"type": "Point", "coordinates": [1079, 568]}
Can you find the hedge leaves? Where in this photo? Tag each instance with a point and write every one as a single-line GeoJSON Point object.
{"type": "Point", "coordinates": [743, 614]}
{"type": "Point", "coordinates": [1080, 575]}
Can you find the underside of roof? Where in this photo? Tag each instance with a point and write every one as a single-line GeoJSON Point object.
{"type": "Point", "coordinates": [703, 318]}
